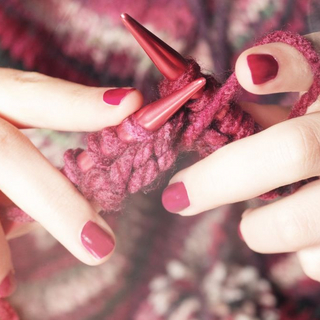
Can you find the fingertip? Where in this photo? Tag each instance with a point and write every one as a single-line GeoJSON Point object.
{"type": "Point", "coordinates": [273, 68]}
{"type": "Point", "coordinates": [241, 229]}
{"type": "Point", "coordinates": [309, 259]}
{"type": "Point", "coordinates": [98, 241]}
{"type": "Point", "coordinates": [132, 102]}
{"type": "Point", "coordinates": [240, 232]}
{"type": "Point", "coordinates": [129, 104]}
{"type": "Point", "coordinates": [175, 197]}
{"type": "Point", "coordinates": [249, 230]}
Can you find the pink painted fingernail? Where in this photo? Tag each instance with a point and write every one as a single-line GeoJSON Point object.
{"type": "Point", "coordinates": [263, 67]}
{"type": "Point", "coordinates": [175, 197]}
{"type": "Point", "coordinates": [8, 285]}
{"type": "Point", "coordinates": [96, 240]}
{"type": "Point", "coordinates": [115, 96]}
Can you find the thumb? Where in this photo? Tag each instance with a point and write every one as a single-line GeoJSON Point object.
{"type": "Point", "coordinates": [274, 67]}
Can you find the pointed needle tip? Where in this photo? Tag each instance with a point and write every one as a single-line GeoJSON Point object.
{"type": "Point", "coordinates": [123, 15]}
{"type": "Point", "coordinates": [202, 80]}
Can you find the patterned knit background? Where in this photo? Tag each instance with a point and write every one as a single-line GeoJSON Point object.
{"type": "Point", "coordinates": [165, 266]}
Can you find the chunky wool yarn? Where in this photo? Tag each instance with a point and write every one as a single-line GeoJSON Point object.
{"type": "Point", "coordinates": [165, 266]}
{"type": "Point", "coordinates": [203, 125]}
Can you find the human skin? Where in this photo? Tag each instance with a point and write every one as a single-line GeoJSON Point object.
{"type": "Point", "coordinates": [285, 152]}
{"type": "Point", "coordinates": [32, 100]}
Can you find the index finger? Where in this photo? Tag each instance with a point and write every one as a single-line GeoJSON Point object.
{"type": "Point", "coordinates": [280, 155]}
{"type": "Point", "coordinates": [30, 99]}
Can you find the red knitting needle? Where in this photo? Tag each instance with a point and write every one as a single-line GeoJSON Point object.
{"type": "Point", "coordinates": [169, 62]}
{"type": "Point", "coordinates": [156, 114]}
{"type": "Point", "coordinates": [152, 116]}
{"type": "Point", "coordinates": [172, 65]}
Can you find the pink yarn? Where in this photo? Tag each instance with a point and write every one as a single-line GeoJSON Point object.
{"type": "Point", "coordinates": [202, 125]}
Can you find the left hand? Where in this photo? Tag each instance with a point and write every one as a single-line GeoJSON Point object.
{"type": "Point", "coordinates": [28, 179]}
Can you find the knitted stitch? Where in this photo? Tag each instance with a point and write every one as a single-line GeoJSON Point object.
{"type": "Point", "coordinates": [203, 125]}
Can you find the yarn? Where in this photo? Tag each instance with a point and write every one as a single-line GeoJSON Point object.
{"type": "Point", "coordinates": [203, 125]}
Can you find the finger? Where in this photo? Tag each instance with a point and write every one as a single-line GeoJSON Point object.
{"type": "Point", "coordinates": [282, 154]}
{"type": "Point", "coordinates": [29, 99]}
{"type": "Point", "coordinates": [40, 190]}
{"type": "Point", "coordinates": [310, 261]}
{"type": "Point", "coordinates": [266, 115]}
{"type": "Point", "coordinates": [274, 67]}
{"type": "Point", "coordinates": [287, 225]}
{"type": "Point", "coordinates": [7, 282]}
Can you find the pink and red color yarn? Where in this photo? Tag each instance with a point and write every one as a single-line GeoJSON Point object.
{"type": "Point", "coordinates": [203, 125]}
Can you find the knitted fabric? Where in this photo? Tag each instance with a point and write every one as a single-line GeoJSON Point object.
{"type": "Point", "coordinates": [203, 125]}
{"type": "Point", "coordinates": [165, 266]}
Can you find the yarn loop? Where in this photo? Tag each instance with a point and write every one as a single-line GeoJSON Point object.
{"type": "Point", "coordinates": [202, 125]}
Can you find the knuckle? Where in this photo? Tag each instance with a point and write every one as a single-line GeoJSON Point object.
{"type": "Point", "coordinates": [302, 149]}
{"type": "Point", "coordinates": [28, 77]}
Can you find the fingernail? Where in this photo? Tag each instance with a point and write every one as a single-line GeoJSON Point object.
{"type": "Point", "coordinates": [115, 96]}
{"type": "Point", "coordinates": [96, 240]}
{"type": "Point", "coordinates": [175, 197]}
{"type": "Point", "coordinates": [239, 233]}
{"type": "Point", "coordinates": [8, 285]}
{"type": "Point", "coordinates": [263, 67]}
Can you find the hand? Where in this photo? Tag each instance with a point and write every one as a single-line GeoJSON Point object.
{"type": "Point", "coordinates": [285, 152]}
{"type": "Point", "coordinates": [31, 182]}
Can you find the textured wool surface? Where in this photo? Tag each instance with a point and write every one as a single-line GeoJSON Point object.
{"type": "Point", "coordinates": [203, 125]}
{"type": "Point", "coordinates": [165, 266]}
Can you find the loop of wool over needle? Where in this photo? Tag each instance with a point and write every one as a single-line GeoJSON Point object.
{"type": "Point", "coordinates": [203, 125]}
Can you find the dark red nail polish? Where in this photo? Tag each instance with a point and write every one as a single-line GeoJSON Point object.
{"type": "Point", "coordinates": [8, 285]}
{"type": "Point", "coordinates": [115, 96]}
{"type": "Point", "coordinates": [175, 197]}
{"type": "Point", "coordinates": [263, 67]}
{"type": "Point", "coordinates": [96, 240]}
